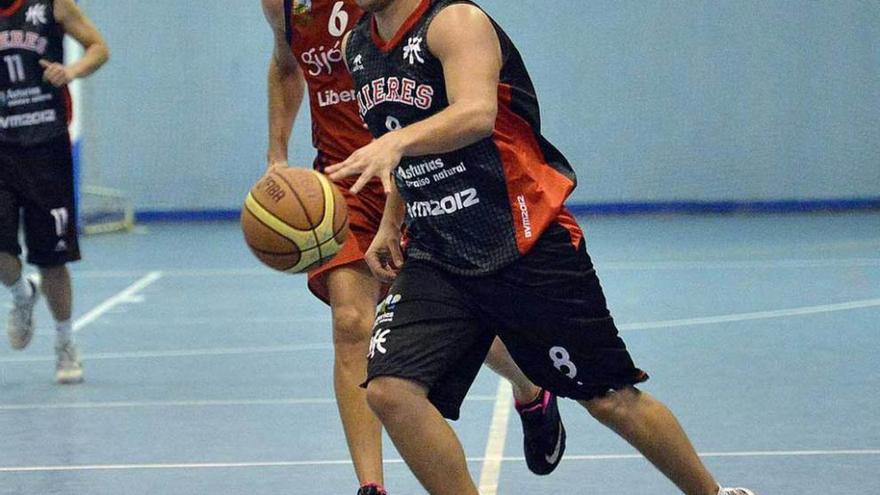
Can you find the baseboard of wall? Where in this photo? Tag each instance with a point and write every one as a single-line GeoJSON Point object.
{"type": "Point", "coordinates": [214, 215]}
{"type": "Point", "coordinates": [622, 208]}
{"type": "Point", "coordinates": [716, 207]}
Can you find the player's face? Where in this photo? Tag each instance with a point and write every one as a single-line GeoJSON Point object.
{"type": "Point", "coordinates": [374, 5]}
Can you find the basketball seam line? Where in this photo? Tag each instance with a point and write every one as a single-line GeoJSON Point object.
{"type": "Point", "coordinates": [275, 253]}
{"type": "Point", "coordinates": [261, 222]}
{"type": "Point", "coordinates": [302, 205]}
{"type": "Point", "coordinates": [264, 224]}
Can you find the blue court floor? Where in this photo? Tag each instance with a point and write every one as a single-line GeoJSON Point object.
{"type": "Point", "coordinates": [207, 373]}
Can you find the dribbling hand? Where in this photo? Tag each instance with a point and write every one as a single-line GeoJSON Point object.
{"type": "Point", "coordinates": [376, 159]}
{"type": "Point", "coordinates": [277, 165]}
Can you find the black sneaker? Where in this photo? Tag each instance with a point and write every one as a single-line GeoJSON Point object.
{"type": "Point", "coordinates": [372, 489]}
{"type": "Point", "coordinates": [543, 433]}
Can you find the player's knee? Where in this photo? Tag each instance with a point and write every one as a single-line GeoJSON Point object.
{"type": "Point", "coordinates": [612, 407]}
{"type": "Point", "coordinates": [389, 397]}
{"type": "Point", "coordinates": [383, 396]}
{"type": "Point", "coordinates": [352, 326]}
{"type": "Point", "coordinates": [53, 271]}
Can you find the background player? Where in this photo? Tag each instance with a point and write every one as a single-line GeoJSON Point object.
{"type": "Point", "coordinates": [492, 249]}
{"type": "Point", "coordinates": [308, 56]}
{"type": "Point", "coordinates": [36, 164]}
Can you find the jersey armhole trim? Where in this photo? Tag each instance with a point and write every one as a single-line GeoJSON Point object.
{"type": "Point", "coordinates": [288, 21]}
{"type": "Point", "coordinates": [12, 9]}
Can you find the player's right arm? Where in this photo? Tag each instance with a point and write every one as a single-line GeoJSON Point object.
{"type": "Point", "coordinates": [384, 256]}
{"type": "Point", "coordinates": [80, 28]}
{"type": "Point", "coordinates": [286, 85]}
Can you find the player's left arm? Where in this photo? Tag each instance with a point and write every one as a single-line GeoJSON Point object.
{"type": "Point", "coordinates": [465, 42]}
{"type": "Point", "coordinates": [80, 28]}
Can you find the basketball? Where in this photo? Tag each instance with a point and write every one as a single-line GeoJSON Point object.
{"type": "Point", "coordinates": [294, 219]}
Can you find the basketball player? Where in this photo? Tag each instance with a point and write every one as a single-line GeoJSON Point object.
{"type": "Point", "coordinates": [308, 57]}
{"type": "Point", "coordinates": [36, 164]}
{"type": "Point", "coordinates": [492, 249]}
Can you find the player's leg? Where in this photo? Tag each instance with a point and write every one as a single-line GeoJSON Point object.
{"type": "Point", "coordinates": [543, 432]}
{"type": "Point", "coordinates": [579, 354]}
{"type": "Point", "coordinates": [427, 349]}
{"type": "Point", "coordinates": [50, 229]}
{"type": "Point", "coordinates": [57, 288]}
{"type": "Point", "coordinates": [10, 269]}
{"type": "Point", "coordinates": [499, 361]}
{"type": "Point", "coordinates": [424, 439]}
{"type": "Point", "coordinates": [353, 293]}
{"type": "Point", "coordinates": [24, 290]}
{"type": "Point", "coordinates": [20, 323]}
{"type": "Point", "coordinates": [651, 428]}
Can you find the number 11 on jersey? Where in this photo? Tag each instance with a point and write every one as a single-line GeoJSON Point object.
{"type": "Point", "coordinates": [16, 68]}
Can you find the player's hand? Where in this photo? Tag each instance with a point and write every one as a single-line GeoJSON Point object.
{"type": "Point", "coordinates": [376, 159]}
{"type": "Point", "coordinates": [384, 256]}
{"type": "Point", "coordinates": [56, 74]}
{"type": "Point", "coordinates": [278, 164]}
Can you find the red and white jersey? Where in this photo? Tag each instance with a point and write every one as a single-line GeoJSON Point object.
{"type": "Point", "coordinates": [315, 29]}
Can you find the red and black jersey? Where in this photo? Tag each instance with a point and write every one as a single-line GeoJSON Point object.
{"type": "Point", "coordinates": [315, 29]}
{"type": "Point", "coordinates": [32, 111]}
{"type": "Point", "coordinates": [477, 209]}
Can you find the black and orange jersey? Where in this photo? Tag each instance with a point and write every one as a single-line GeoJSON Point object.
{"type": "Point", "coordinates": [315, 30]}
{"type": "Point", "coordinates": [477, 209]}
{"type": "Point", "coordinates": [32, 111]}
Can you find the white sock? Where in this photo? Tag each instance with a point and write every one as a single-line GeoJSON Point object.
{"type": "Point", "coordinates": [21, 289]}
{"type": "Point", "coordinates": [64, 330]}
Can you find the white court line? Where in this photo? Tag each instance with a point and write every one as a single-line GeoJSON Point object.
{"type": "Point", "coordinates": [347, 462]}
{"type": "Point", "coordinates": [127, 295]}
{"type": "Point", "coordinates": [198, 272]}
{"type": "Point", "coordinates": [221, 351]}
{"type": "Point", "coordinates": [605, 266]}
{"type": "Point", "coordinates": [201, 321]}
{"type": "Point", "coordinates": [732, 264]}
{"type": "Point", "coordinates": [707, 320]}
{"type": "Point", "coordinates": [188, 403]}
{"type": "Point", "coordinates": [497, 436]}
{"type": "Point", "coordinates": [757, 315]}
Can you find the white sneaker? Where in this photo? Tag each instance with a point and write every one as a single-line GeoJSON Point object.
{"type": "Point", "coordinates": [20, 326]}
{"type": "Point", "coordinates": [735, 491]}
{"type": "Point", "coordinates": [68, 369]}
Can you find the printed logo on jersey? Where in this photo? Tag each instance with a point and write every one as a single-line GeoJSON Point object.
{"type": "Point", "coordinates": [357, 64]}
{"type": "Point", "coordinates": [446, 206]}
{"type": "Point", "coordinates": [377, 342]}
{"type": "Point", "coordinates": [302, 12]}
{"type": "Point", "coordinates": [36, 14]}
{"type": "Point", "coordinates": [28, 119]}
{"type": "Point", "coordinates": [417, 175]}
{"type": "Point", "coordinates": [320, 60]}
{"type": "Point", "coordinates": [385, 309]}
{"type": "Point", "coordinates": [23, 40]}
{"type": "Point", "coordinates": [413, 50]}
{"type": "Point", "coordinates": [524, 211]}
{"type": "Point", "coordinates": [332, 97]}
{"type": "Point", "coordinates": [395, 90]}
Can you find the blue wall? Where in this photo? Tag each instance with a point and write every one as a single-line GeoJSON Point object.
{"type": "Point", "coordinates": [652, 100]}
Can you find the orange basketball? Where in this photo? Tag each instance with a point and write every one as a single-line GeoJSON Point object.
{"type": "Point", "coordinates": [294, 219]}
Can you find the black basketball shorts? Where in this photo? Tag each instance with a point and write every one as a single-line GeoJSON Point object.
{"type": "Point", "coordinates": [548, 308]}
{"type": "Point", "coordinates": [38, 182]}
